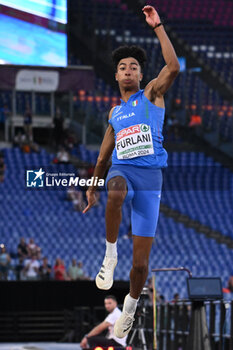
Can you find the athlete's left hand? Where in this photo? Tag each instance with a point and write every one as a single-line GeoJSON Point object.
{"type": "Point", "coordinates": [152, 17]}
{"type": "Point", "coordinates": [91, 200]}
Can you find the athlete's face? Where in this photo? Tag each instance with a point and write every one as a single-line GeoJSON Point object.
{"type": "Point", "coordinates": [110, 305]}
{"type": "Point", "coordinates": [128, 73]}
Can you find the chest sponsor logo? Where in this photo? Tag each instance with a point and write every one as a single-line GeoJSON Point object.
{"type": "Point", "coordinates": [134, 141]}
{"type": "Point", "coordinates": [135, 129]}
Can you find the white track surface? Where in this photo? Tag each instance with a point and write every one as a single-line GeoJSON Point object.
{"type": "Point", "coordinates": [39, 346]}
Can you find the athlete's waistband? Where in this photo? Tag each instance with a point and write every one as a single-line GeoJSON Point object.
{"type": "Point", "coordinates": [154, 167]}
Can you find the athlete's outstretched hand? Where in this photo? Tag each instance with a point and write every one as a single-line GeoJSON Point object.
{"type": "Point", "coordinates": [91, 200]}
{"type": "Point", "coordinates": [152, 17]}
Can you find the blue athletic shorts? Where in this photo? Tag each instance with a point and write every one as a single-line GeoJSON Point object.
{"type": "Point", "coordinates": [144, 190]}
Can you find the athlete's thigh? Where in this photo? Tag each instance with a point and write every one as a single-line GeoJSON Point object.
{"type": "Point", "coordinates": [117, 190]}
{"type": "Point", "coordinates": [145, 213]}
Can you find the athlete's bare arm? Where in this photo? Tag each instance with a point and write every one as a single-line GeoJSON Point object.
{"type": "Point", "coordinates": [106, 149]}
{"type": "Point", "coordinates": [157, 87]}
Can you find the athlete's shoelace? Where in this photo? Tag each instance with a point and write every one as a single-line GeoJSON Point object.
{"type": "Point", "coordinates": [106, 268]}
{"type": "Point", "coordinates": [128, 319]}
{"type": "Point", "coordinates": [108, 265]}
{"type": "Point", "coordinates": [127, 324]}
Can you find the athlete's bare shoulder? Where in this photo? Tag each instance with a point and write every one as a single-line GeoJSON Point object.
{"type": "Point", "coordinates": [110, 113]}
{"type": "Point", "coordinates": [152, 95]}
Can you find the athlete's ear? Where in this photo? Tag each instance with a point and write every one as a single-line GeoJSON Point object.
{"type": "Point", "coordinates": [141, 76]}
{"type": "Point", "coordinates": [116, 76]}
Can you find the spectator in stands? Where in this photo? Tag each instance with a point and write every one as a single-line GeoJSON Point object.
{"type": "Point", "coordinates": [228, 291]}
{"type": "Point", "coordinates": [33, 249]}
{"type": "Point", "coordinates": [94, 337]}
{"type": "Point", "coordinates": [19, 139]}
{"type": "Point", "coordinates": [22, 249]}
{"type": "Point", "coordinates": [79, 203]}
{"type": "Point", "coordinates": [45, 270]}
{"type": "Point", "coordinates": [76, 196]}
{"type": "Point", "coordinates": [73, 271]}
{"type": "Point", "coordinates": [161, 299]}
{"type": "Point", "coordinates": [28, 123]}
{"type": "Point", "coordinates": [58, 122]}
{"type": "Point", "coordinates": [34, 147]}
{"type": "Point", "coordinates": [150, 290]}
{"type": "Point", "coordinates": [83, 172]}
{"type": "Point", "coordinates": [70, 194]}
{"type": "Point", "coordinates": [19, 270]}
{"type": "Point", "coordinates": [4, 262]}
{"type": "Point", "coordinates": [230, 282]}
{"type": "Point", "coordinates": [63, 156]}
{"type": "Point", "coordinates": [81, 272]}
{"type": "Point", "coordinates": [176, 298]}
{"type": "Point", "coordinates": [2, 167]}
{"type": "Point", "coordinates": [228, 297]}
{"type": "Point", "coordinates": [31, 268]}
{"type": "Point", "coordinates": [59, 270]}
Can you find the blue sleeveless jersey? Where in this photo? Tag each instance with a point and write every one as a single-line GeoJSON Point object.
{"type": "Point", "coordinates": [138, 126]}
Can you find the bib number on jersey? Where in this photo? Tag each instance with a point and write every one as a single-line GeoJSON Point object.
{"type": "Point", "coordinates": [134, 141]}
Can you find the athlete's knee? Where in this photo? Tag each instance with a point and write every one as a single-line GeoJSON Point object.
{"type": "Point", "coordinates": [116, 198]}
{"type": "Point", "coordinates": [117, 190]}
{"type": "Point", "coordinates": [140, 267]}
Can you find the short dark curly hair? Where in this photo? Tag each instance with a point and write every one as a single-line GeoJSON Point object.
{"type": "Point", "coordinates": [129, 51]}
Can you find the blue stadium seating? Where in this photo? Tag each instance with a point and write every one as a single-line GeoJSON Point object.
{"type": "Point", "coordinates": [215, 49]}
{"type": "Point", "coordinates": [60, 231]}
{"type": "Point", "coordinates": [201, 188]}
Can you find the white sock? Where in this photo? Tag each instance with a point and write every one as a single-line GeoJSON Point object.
{"type": "Point", "coordinates": [111, 249]}
{"type": "Point", "coordinates": [130, 304]}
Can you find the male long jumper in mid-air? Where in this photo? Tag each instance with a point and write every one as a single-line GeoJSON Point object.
{"type": "Point", "coordinates": [134, 135]}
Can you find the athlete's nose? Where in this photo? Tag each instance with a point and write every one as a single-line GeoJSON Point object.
{"type": "Point", "coordinates": [127, 72]}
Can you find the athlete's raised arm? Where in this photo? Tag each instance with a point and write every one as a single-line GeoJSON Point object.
{"type": "Point", "coordinates": [106, 149]}
{"type": "Point", "coordinates": [158, 86]}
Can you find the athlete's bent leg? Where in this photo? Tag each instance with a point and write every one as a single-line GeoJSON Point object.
{"type": "Point", "coordinates": [138, 276]}
{"type": "Point", "coordinates": [117, 190]}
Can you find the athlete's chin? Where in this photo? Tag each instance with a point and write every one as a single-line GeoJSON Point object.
{"type": "Point", "coordinates": [129, 86]}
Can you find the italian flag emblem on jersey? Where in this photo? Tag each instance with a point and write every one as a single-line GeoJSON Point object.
{"type": "Point", "coordinates": [134, 103]}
